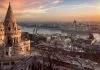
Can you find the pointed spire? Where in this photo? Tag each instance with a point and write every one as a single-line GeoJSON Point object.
{"type": "Point", "coordinates": [74, 21]}
{"type": "Point", "coordinates": [10, 18]}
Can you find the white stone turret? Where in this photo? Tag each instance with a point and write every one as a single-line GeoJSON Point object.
{"type": "Point", "coordinates": [10, 36]}
{"type": "Point", "coordinates": [12, 47]}
{"type": "Point", "coordinates": [12, 33]}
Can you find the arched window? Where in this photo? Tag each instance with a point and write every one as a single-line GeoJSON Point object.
{"type": "Point", "coordinates": [6, 52]}
{"type": "Point", "coordinates": [9, 41]}
{"type": "Point", "coordinates": [9, 28]}
{"type": "Point", "coordinates": [12, 63]}
{"type": "Point", "coordinates": [29, 67]}
{"type": "Point", "coordinates": [15, 28]}
{"type": "Point", "coordinates": [14, 40]}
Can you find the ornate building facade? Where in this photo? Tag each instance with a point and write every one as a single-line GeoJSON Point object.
{"type": "Point", "coordinates": [13, 48]}
{"type": "Point", "coordinates": [11, 42]}
{"type": "Point", "coordinates": [11, 36]}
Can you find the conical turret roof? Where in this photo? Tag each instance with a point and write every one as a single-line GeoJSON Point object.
{"type": "Point", "coordinates": [10, 18]}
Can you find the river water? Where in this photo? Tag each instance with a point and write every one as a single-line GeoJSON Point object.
{"type": "Point", "coordinates": [52, 31]}
{"type": "Point", "coordinates": [40, 30]}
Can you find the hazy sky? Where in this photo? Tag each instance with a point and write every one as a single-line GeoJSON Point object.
{"type": "Point", "coordinates": [53, 10]}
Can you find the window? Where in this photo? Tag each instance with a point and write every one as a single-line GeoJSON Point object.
{"type": "Point", "coordinates": [7, 63]}
{"type": "Point", "coordinates": [14, 40]}
{"type": "Point", "coordinates": [6, 52]}
{"type": "Point", "coordinates": [9, 41]}
{"type": "Point", "coordinates": [27, 49]}
{"type": "Point", "coordinates": [12, 63]}
{"type": "Point", "coordinates": [15, 28]}
{"type": "Point", "coordinates": [0, 64]}
{"type": "Point", "coordinates": [29, 66]}
{"type": "Point", "coordinates": [9, 28]}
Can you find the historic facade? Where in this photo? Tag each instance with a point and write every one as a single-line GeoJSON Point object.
{"type": "Point", "coordinates": [11, 41]}
{"type": "Point", "coordinates": [13, 48]}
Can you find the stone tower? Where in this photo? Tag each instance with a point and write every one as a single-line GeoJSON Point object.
{"type": "Point", "coordinates": [13, 42]}
{"type": "Point", "coordinates": [12, 33]}
{"type": "Point", "coordinates": [1, 34]}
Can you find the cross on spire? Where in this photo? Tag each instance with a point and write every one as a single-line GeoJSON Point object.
{"type": "Point", "coordinates": [9, 2]}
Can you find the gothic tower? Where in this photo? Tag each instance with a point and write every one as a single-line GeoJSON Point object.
{"type": "Point", "coordinates": [1, 34]}
{"type": "Point", "coordinates": [12, 33]}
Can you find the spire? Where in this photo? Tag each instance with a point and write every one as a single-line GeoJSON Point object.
{"type": "Point", "coordinates": [10, 18]}
{"type": "Point", "coordinates": [74, 21]}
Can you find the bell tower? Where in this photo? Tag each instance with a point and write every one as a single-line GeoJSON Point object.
{"type": "Point", "coordinates": [12, 33]}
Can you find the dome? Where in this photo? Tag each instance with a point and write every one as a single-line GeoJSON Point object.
{"type": "Point", "coordinates": [1, 25]}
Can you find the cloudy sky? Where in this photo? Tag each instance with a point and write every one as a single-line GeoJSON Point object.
{"type": "Point", "coordinates": [53, 10]}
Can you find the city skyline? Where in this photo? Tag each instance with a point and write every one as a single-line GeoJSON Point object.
{"type": "Point", "coordinates": [53, 10]}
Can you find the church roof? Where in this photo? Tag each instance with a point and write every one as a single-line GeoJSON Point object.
{"type": "Point", "coordinates": [10, 18]}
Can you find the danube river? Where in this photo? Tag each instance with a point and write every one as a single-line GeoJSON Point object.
{"type": "Point", "coordinates": [40, 30]}
{"type": "Point", "coordinates": [52, 31]}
